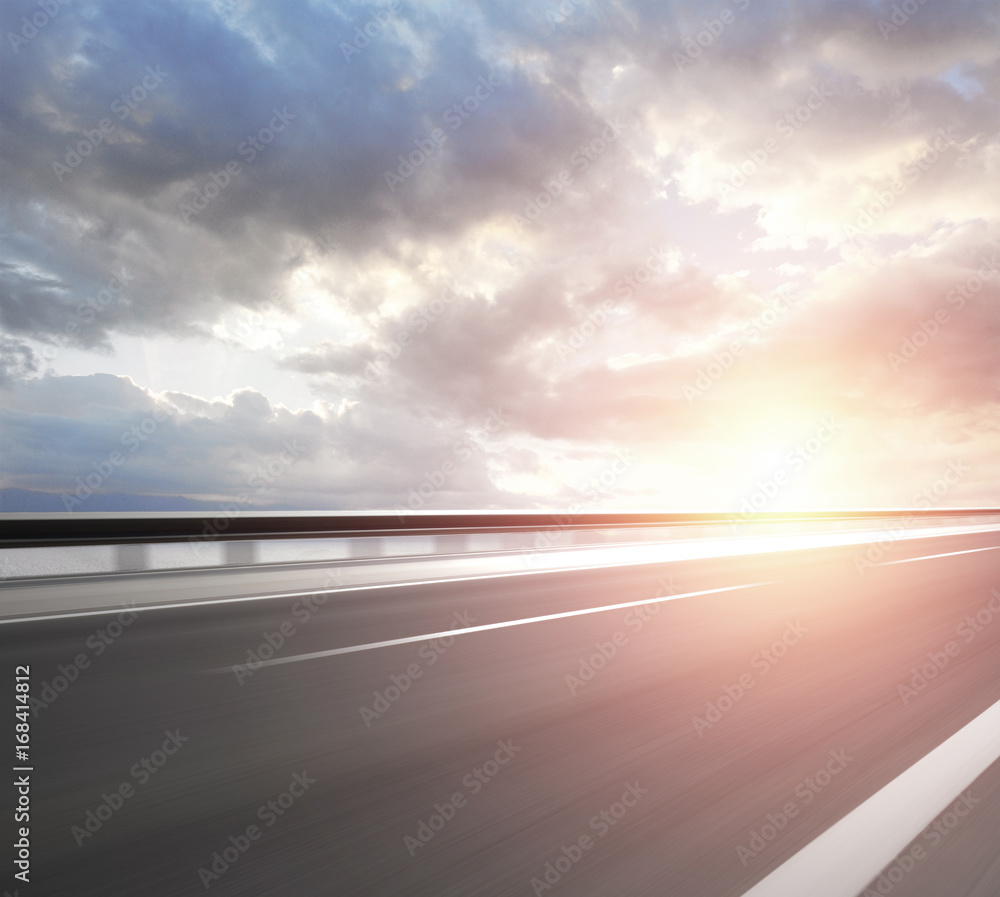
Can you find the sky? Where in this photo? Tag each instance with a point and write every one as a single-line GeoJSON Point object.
{"type": "Point", "coordinates": [500, 255]}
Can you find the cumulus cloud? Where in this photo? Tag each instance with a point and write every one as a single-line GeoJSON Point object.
{"type": "Point", "coordinates": [686, 232]}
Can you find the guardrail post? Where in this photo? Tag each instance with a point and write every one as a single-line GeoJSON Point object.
{"type": "Point", "coordinates": [239, 552]}
{"type": "Point", "coordinates": [132, 556]}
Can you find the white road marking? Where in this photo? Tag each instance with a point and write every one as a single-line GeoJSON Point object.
{"type": "Point", "coordinates": [634, 554]}
{"type": "Point", "coordinates": [370, 646]}
{"type": "Point", "coordinates": [300, 593]}
{"type": "Point", "coordinates": [852, 852]}
{"type": "Point", "coordinates": [928, 557]}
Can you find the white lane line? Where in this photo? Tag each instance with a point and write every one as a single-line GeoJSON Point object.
{"type": "Point", "coordinates": [300, 593]}
{"type": "Point", "coordinates": [848, 855]}
{"type": "Point", "coordinates": [370, 646]}
{"type": "Point", "coordinates": [928, 557]}
{"type": "Point", "coordinates": [636, 554]}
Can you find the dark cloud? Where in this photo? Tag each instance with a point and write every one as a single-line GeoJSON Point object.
{"type": "Point", "coordinates": [17, 360]}
{"type": "Point", "coordinates": [421, 213]}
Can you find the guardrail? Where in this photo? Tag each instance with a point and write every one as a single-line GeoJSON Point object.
{"type": "Point", "coordinates": [34, 545]}
{"type": "Point", "coordinates": [39, 530]}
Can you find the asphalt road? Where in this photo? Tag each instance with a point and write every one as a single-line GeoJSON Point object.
{"type": "Point", "coordinates": [684, 747]}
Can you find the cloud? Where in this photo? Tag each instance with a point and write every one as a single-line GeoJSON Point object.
{"type": "Point", "coordinates": [361, 228]}
{"type": "Point", "coordinates": [17, 360]}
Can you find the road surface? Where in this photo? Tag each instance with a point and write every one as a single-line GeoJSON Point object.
{"type": "Point", "coordinates": [675, 728]}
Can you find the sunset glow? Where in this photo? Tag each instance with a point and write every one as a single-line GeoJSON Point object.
{"type": "Point", "coordinates": [438, 256]}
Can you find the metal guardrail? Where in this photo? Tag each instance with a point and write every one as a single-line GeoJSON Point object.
{"type": "Point", "coordinates": [41, 530]}
{"type": "Point", "coordinates": [33, 546]}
